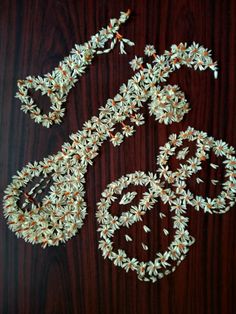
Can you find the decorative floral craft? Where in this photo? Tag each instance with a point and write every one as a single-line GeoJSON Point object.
{"type": "Point", "coordinates": [56, 85]}
{"type": "Point", "coordinates": [177, 197]}
{"type": "Point", "coordinates": [59, 215]}
{"type": "Point", "coordinates": [204, 144]}
{"type": "Point", "coordinates": [109, 224]}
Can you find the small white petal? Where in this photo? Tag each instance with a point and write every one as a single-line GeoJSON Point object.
{"type": "Point", "coordinates": [146, 228]}
{"type": "Point", "coordinates": [162, 215]}
{"type": "Point", "coordinates": [199, 180]}
{"type": "Point", "coordinates": [128, 238]}
{"type": "Point", "coordinates": [166, 232]}
{"type": "Point", "coordinates": [145, 247]}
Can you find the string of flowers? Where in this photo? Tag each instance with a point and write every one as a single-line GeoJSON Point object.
{"type": "Point", "coordinates": [56, 85]}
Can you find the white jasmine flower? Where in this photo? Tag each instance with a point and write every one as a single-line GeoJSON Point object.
{"type": "Point", "coordinates": [130, 264]}
{"type": "Point", "coordinates": [136, 63]}
{"type": "Point", "coordinates": [182, 153]}
{"type": "Point", "coordinates": [117, 139]}
{"type": "Point", "coordinates": [119, 258]}
{"type": "Point", "coordinates": [127, 198]}
{"type": "Point", "coordinates": [149, 50]}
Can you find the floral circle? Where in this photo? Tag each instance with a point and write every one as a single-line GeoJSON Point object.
{"type": "Point", "coordinates": [108, 224]}
{"type": "Point", "coordinates": [168, 104]}
{"type": "Point", "coordinates": [192, 165]}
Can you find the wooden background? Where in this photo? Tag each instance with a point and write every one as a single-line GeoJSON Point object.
{"type": "Point", "coordinates": [74, 278]}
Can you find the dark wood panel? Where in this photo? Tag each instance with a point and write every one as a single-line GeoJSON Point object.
{"type": "Point", "coordinates": [74, 278]}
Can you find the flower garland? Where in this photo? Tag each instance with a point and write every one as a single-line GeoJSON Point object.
{"type": "Point", "coordinates": [59, 215]}
{"type": "Point", "coordinates": [56, 85]}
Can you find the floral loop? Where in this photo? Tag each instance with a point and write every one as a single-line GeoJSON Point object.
{"type": "Point", "coordinates": [164, 263]}
{"type": "Point", "coordinates": [204, 144]}
{"type": "Point", "coordinates": [29, 106]}
{"type": "Point", "coordinates": [59, 215]}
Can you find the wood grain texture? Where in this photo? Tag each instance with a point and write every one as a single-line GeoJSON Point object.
{"type": "Point", "coordinates": [74, 278]}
